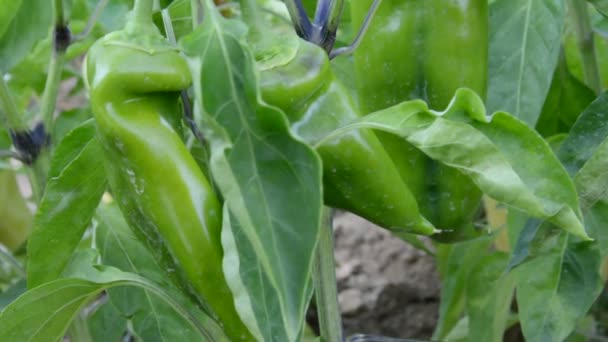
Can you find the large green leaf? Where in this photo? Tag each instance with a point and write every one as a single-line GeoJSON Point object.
{"type": "Point", "coordinates": [524, 45]}
{"type": "Point", "coordinates": [247, 283]}
{"type": "Point", "coordinates": [9, 10]}
{"type": "Point", "coordinates": [551, 302]}
{"type": "Point", "coordinates": [601, 6]}
{"type": "Point", "coordinates": [489, 294]}
{"type": "Point", "coordinates": [455, 262]}
{"type": "Point", "coordinates": [152, 319]}
{"type": "Point", "coordinates": [31, 23]}
{"type": "Point", "coordinates": [589, 132]}
{"type": "Point", "coordinates": [567, 99]}
{"type": "Point", "coordinates": [591, 179]}
{"type": "Point", "coordinates": [44, 312]}
{"type": "Point", "coordinates": [505, 158]}
{"type": "Point", "coordinates": [106, 324]}
{"type": "Point", "coordinates": [270, 181]}
{"type": "Point", "coordinates": [76, 184]}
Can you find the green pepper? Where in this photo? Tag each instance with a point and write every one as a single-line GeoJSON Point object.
{"type": "Point", "coordinates": [358, 174]}
{"type": "Point", "coordinates": [425, 49]}
{"type": "Point", "coordinates": [134, 78]}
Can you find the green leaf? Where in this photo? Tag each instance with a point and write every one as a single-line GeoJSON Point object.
{"type": "Point", "coordinates": [152, 319]}
{"type": "Point", "coordinates": [247, 283]}
{"type": "Point", "coordinates": [596, 218]}
{"type": "Point", "coordinates": [591, 179]}
{"type": "Point", "coordinates": [9, 10]}
{"type": "Point", "coordinates": [114, 14]}
{"type": "Point", "coordinates": [270, 181]}
{"type": "Point", "coordinates": [44, 312]}
{"type": "Point", "coordinates": [489, 294]}
{"type": "Point", "coordinates": [601, 6]}
{"type": "Point", "coordinates": [106, 324]}
{"type": "Point", "coordinates": [69, 120]}
{"type": "Point", "coordinates": [499, 153]}
{"type": "Point", "coordinates": [455, 262]}
{"type": "Point", "coordinates": [588, 133]}
{"type": "Point", "coordinates": [567, 99]}
{"type": "Point", "coordinates": [553, 300]}
{"type": "Point", "coordinates": [180, 12]}
{"type": "Point", "coordinates": [16, 218]}
{"type": "Point", "coordinates": [31, 23]}
{"type": "Point", "coordinates": [76, 184]}
{"type": "Point", "coordinates": [524, 46]}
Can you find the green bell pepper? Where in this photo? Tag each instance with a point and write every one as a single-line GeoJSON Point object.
{"type": "Point", "coordinates": [134, 77]}
{"type": "Point", "coordinates": [425, 49]}
{"type": "Point", "coordinates": [358, 174]}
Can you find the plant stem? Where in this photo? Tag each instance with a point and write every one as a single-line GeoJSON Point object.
{"type": "Point", "coordinates": [51, 89]}
{"type": "Point", "coordinates": [324, 279]}
{"type": "Point", "coordinates": [586, 44]}
{"type": "Point", "coordinates": [58, 12]}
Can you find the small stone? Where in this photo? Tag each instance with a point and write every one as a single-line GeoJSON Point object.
{"type": "Point", "coordinates": [350, 301]}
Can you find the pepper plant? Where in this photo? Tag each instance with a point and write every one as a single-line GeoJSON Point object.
{"type": "Point", "coordinates": [189, 195]}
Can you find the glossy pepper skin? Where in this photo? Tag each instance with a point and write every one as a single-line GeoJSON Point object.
{"type": "Point", "coordinates": [134, 79]}
{"type": "Point", "coordinates": [425, 49]}
{"type": "Point", "coordinates": [358, 175]}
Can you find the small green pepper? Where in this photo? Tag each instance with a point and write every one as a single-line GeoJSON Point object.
{"type": "Point", "coordinates": [134, 78]}
{"type": "Point", "coordinates": [425, 49]}
{"type": "Point", "coordinates": [358, 175]}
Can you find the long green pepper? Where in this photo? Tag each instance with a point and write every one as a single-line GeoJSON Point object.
{"type": "Point", "coordinates": [425, 49]}
{"type": "Point", "coordinates": [134, 78]}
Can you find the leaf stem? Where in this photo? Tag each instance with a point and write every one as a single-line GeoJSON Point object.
{"type": "Point", "coordinates": [324, 279]}
{"type": "Point", "coordinates": [586, 44]}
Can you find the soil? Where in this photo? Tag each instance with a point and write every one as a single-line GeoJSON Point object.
{"type": "Point", "coordinates": [385, 286]}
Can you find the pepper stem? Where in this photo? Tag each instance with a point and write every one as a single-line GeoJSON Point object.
{"type": "Point", "coordinates": [140, 18]}
{"type": "Point", "coordinates": [324, 279]}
